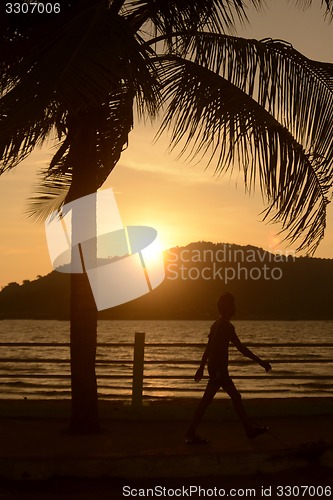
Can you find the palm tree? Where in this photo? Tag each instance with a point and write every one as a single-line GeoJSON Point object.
{"type": "Point", "coordinates": [82, 76]}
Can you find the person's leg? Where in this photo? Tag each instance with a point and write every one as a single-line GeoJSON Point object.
{"type": "Point", "coordinates": [251, 430]}
{"type": "Point", "coordinates": [207, 397]}
{"type": "Point", "coordinates": [229, 387]}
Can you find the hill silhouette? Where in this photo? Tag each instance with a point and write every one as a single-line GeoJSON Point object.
{"type": "Point", "coordinates": [267, 286]}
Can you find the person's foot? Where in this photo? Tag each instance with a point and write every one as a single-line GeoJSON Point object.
{"type": "Point", "coordinates": [256, 431]}
{"type": "Point", "coordinates": [194, 439]}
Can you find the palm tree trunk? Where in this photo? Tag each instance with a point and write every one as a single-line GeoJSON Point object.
{"type": "Point", "coordinates": [83, 311]}
{"type": "Point", "coordinates": [83, 341]}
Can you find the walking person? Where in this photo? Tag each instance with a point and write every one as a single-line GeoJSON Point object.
{"type": "Point", "coordinates": [222, 333]}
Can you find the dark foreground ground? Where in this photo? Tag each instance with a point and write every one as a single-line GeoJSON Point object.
{"type": "Point", "coordinates": [141, 452]}
{"type": "Point", "coordinates": [307, 482]}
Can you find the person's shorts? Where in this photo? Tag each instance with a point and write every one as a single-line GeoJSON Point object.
{"type": "Point", "coordinates": [222, 379]}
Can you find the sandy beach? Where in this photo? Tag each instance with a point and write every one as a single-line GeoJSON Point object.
{"type": "Point", "coordinates": [145, 446]}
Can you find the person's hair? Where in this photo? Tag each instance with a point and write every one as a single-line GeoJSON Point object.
{"type": "Point", "coordinates": [224, 302]}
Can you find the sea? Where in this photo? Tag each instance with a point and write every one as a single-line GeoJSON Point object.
{"type": "Point", "coordinates": [300, 353]}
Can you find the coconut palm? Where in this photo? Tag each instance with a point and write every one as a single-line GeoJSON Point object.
{"type": "Point", "coordinates": [83, 76]}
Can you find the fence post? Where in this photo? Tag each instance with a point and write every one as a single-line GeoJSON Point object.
{"type": "Point", "coordinates": [138, 366]}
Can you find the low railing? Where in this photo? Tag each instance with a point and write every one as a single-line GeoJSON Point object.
{"type": "Point", "coordinates": [137, 382]}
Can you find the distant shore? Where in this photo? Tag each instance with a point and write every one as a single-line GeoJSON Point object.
{"type": "Point", "coordinates": [267, 286]}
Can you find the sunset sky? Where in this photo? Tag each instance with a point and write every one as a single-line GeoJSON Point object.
{"type": "Point", "coordinates": [184, 203]}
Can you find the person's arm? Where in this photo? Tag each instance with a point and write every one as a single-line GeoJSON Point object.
{"type": "Point", "coordinates": [200, 371]}
{"type": "Point", "coordinates": [248, 353]}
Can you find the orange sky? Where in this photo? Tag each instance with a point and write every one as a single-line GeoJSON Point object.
{"type": "Point", "coordinates": [184, 203]}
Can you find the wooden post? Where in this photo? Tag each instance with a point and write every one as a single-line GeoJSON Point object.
{"type": "Point", "coordinates": [138, 366]}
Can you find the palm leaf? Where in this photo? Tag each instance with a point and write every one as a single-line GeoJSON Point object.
{"type": "Point", "coordinates": [293, 88]}
{"type": "Point", "coordinates": [327, 4]}
{"type": "Point", "coordinates": [208, 114]}
{"type": "Point", "coordinates": [170, 16]}
{"type": "Point", "coordinates": [113, 122]}
{"type": "Point", "coordinates": [92, 56]}
{"type": "Point", "coordinates": [50, 195]}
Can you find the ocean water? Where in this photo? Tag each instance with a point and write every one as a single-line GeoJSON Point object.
{"type": "Point", "coordinates": [304, 367]}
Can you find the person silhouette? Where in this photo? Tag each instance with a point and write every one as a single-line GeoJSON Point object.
{"type": "Point", "coordinates": [222, 333]}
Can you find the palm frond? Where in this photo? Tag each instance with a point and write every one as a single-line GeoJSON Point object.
{"type": "Point", "coordinates": [207, 114]}
{"type": "Point", "coordinates": [25, 126]}
{"type": "Point", "coordinates": [297, 91]}
{"type": "Point", "coordinates": [327, 4]}
{"type": "Point", "coordinates": [170, 16]}
{"type": "Point", "coordinates": [50, 195]}
{"type": "Point", "coordinates": [113, 122]}
{"type": "Point", "coordinates": [92, 56]}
